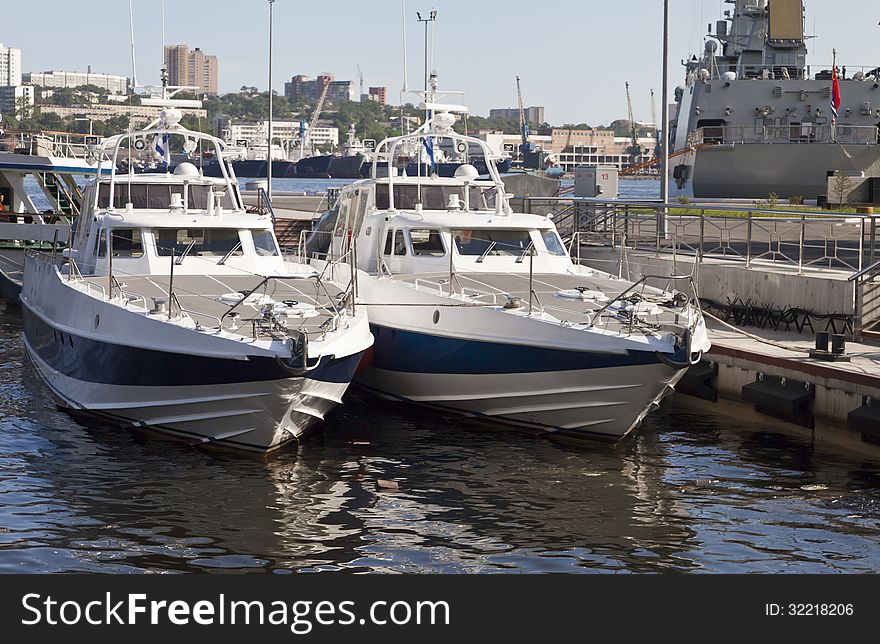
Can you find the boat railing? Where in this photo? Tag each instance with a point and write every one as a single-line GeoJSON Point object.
{"type": "Point", "coordinates": [633, 295]}
{"type": "Point", "coordinates": [824, 72]}
{"type": "Point", "coordinates": [335, 312]}
{"type": "Point", "coordinates": [50, 143]}
{"type": "Point", "coordinates": [786, 134]}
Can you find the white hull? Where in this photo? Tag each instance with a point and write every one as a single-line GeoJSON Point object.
{"type": "Point", "coordinates": [594, 403]}
{"type": "Point", "coordinates": [139, 371]}
{"type": "Point", "coordinates": [514, 369]}
{"type": "Point", "coordinates": [253, 416]}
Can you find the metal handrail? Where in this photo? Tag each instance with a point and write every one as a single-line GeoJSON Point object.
{"type": "Point", "coordinates": [800, 238]}
{"type": "Point", "coordinates": [873, 268]}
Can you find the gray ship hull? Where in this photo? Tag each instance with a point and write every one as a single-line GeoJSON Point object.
{"type": "Point", "coordinates": [754, 170]}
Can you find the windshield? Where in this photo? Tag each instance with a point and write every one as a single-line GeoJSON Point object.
{"type": "Point", "coordinates": [158, 196]}
{"type": "Point", "coordinates": [214, 242]}
{"type": "Point", "coordinates": [435, 197]}
{"type": "Point", "coordinates": [496, 242]}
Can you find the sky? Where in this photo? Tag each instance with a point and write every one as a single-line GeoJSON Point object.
{"type": "Point", "coordinates": [573, 56]}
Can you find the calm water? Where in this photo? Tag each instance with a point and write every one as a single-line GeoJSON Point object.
{"type": "Point", "coordinates": [692, 492]}
{"type": "Point", "coordinates": [629, 188]}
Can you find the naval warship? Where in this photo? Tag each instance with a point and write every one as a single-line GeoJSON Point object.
{"type": "Point", "coordinates": [754, 118]}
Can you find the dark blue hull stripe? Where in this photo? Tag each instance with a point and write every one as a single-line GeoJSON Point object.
{"type": "Point", "coordinates": [99, 362]}
{"type": "Point", "coordinates": [410, 352]}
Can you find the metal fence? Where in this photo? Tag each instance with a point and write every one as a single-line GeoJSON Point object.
{"type": "Point", "coordinates": [797, 239]}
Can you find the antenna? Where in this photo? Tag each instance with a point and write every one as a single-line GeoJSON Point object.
{"type": "Point", "coordinates": [134, 75]}
{"type": "Point", "coordinates": [405, 70]}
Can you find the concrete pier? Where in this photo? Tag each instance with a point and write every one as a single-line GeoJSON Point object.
{"type": "Point", "coordinates": [831, 402]}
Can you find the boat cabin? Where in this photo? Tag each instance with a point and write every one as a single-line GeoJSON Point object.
{"type": "Point", "coordinates": [151, 218]}
{"type": "Point", "coordinates": [412, 224]}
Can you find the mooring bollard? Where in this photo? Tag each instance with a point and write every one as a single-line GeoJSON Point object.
{"type": "Point", "coordinates": [838, 344]}
{"type": "Point", "coordinates": [822, 341]}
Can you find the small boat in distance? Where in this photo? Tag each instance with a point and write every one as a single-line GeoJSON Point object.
{"type": "Point", "coordinates": [174, 310]}
{"type": "Point", "coordinates": [56, 164]}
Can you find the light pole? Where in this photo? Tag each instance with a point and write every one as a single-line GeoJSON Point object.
{"type": "Point", "coordinates": [432, 17]}
{"type": "Point", "coordinates": [662, 222]}
{"type": "Point", "coordinates": [269, 141]}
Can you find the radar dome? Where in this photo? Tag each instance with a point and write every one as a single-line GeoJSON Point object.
{"type": "Point", "coordinates": [466, 172]}
{"type": "Point", "coordinates": [729, 76]}
{"type": "Point", "coordinates": [186, 169]}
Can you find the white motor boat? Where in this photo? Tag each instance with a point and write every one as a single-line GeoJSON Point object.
{"type": "Point", "coordinates": [480, 311]}
{"type": "Point", "coordinates": [174, 309]}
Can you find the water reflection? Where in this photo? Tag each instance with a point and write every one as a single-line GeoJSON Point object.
{"type": "Point", "coordinates": [690, 493]}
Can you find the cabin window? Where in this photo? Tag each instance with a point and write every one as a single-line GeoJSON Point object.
{"type": "Point", "coordinates": [342, 218]}
{"type": "Point", "coordinates": [361, 210]}
{"type": "Point", "coordinates": [399, 243]}
{"type": "Point", "coordinates": [496, 242]}
{"type": "Point", "coordinates": [427, 242]}
{"type": "Point", "coordinates": [100, 244]}
{"type": "Point", "coordinates": [389, 240]}
{"type": "Point", "coordinates": [127, 242]}
{"type": "Point", "coordinates": [553, 243]}
{"type": "Point", "coordinates": [209, 242]}
{"type": "Point", "coordinates": [264, 243]}
{"type": "Point", "coordinates": [482, 198]}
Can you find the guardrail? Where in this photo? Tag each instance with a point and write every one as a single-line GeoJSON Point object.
{"type": "Point", "coordinates": [800, 239]}
{"type": "Point", "coordinates": [786, 134]}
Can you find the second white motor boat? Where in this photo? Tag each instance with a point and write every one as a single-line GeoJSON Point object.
{"type": "Point", "coordinates": [174, 310]}
{"type": "Point", "coordinates": [479, 310]}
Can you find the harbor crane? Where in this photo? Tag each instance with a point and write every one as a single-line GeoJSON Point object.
{"type": "Point", "coordinates": [315, 116]}
{"type": "Point", "coordinates": [527, 146]}
{"type": "Point", "coordinates": [634, 150]}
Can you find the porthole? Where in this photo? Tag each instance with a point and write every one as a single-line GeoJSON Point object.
{"type": "Point", "coordinates": [436, 317]}
{"type": "Point", "coordinates": [97, 321]}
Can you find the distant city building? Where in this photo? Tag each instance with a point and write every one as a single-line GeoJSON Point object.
{"type": "Point", "coordinates": [10, 66]}
{"type": "Point", "coordinates": [112, 83]}
{"type": "Point", "coordinates": [613, 152]}
{"type": "Point", "coordinates": [508, 144]}
{"type": "Point", "coordinates": [409, 123]}
{"type": "Point", "coordinates": [378, 94]}
{"type": "Point", "coordinates": [192, 69]}
{"type": "Point", "coordinates": [11, 97]}
{"type": "Point", "coordinates": [303, 87]}
{"type": "Point", "coordinates": [341, 92]}
{"type": "Point", "coordinates": [139, 114]}
{"type": "Point", "coordinates": [533, 115]}
{"type": "Point", "coordinates": [253, 134]}
{"type": "Point", "coordinates": [297, 87]}
{"type": "Point", "coordinates": [565, 138]}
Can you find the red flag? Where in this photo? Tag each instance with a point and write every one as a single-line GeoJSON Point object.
{"type": "Point", "coordinates": [835, 94]}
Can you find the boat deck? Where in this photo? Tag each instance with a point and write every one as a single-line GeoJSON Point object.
{"type": "Point", "coordinates": [299, 303]}
{"type": "Point", "coordinates": [557, 294]}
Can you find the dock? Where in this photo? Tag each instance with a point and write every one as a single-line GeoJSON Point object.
{"type": "Point", "coordinates": [772, 280]}
{"type": "Point", "coordinates": [775, 378]}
